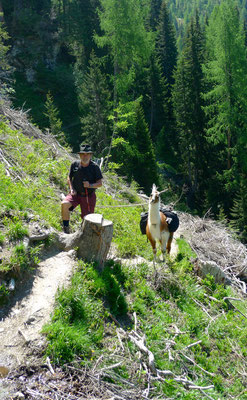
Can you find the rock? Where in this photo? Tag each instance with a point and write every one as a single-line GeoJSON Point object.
{"type": "Point", "coordinates": [12, 285]}
{"type": "Point", "coordinates": [3, 371]}
{"type": "Point", "coordinates": [203, 268]}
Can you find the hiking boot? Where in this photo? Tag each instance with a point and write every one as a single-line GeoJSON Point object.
{"type": "Point", "coordinates": [66, 229]}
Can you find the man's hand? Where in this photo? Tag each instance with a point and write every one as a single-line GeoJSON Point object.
{"type": "Point", "coordinates": [86, 184]}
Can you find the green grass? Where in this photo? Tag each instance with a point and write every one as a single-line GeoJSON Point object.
{"type": "Point", "coordinates": [77, 327]}
{"type": "Point", "coordinates": [176, 301]}
{"type": "Point", "coordinates": [173, 308]}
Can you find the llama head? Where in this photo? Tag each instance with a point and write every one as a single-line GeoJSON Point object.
{"type": "Point", "coordinates": [155, 196]}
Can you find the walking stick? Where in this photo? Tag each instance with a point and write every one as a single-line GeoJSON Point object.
{"type": "Point", "coordinates": [87, 199]}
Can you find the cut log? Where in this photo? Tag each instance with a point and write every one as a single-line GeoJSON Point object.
{"type": "Point", "coordinates": [92, 240]}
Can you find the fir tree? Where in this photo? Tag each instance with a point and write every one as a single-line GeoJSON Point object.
{"type": "Point", "coordinates": [225, 73]}
{"type": "Point", "coordinates": [123, 26]}
{"type": "Point", "coordinates": [188, 102]}
{"type": "Point", "coordinates": [157, 93]}
{"type": "Point", "coordinates": [166, 44]}
{"type": "Point", "coordinates": [4, 62]}
{"type": "Point", "coordinates": [239, 209]}
{"type": "Point", "coordinates": [54, 121]}
{"type": "Point", "coordinates": [154, 13]}
{"type": "Point", "coordinates": [145, 171]}
{"type": "Point", "coordinates": [94, 104]}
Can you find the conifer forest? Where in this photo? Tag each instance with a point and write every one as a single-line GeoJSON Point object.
{"type": "Point", "coordinates": [157, 87]}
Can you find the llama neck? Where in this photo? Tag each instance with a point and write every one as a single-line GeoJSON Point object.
{"type": "Point", "coordinates": [154, 213]}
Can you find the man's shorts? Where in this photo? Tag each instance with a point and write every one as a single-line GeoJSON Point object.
{"type": "Point", "coordinates": [87, 203]}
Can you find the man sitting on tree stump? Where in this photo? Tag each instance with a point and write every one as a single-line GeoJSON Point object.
{"type": "Point", "coordinates": [84, 177]}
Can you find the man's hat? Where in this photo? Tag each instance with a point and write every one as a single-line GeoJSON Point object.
{"type": "Point", "coordinates": [85, 148]}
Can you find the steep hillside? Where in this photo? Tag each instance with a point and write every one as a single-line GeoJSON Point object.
{"type": "Point", "coordinates": [127, 332]}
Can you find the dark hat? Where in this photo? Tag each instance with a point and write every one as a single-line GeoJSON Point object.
{"type": "Point", "coordinates": [85, 148]}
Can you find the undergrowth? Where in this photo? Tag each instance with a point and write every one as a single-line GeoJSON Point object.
{"type": "Point", "coordinates": [183, 317]}
{"type": "Point", "coordinates": [174, 310]}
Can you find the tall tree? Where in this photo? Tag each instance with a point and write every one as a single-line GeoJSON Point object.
{"type": "Point", "coordinates": [130, 45]}
{"type": "Point", "coordinates": [154, 14]}
{"type": "Point", "coordinates": [78, 21]}
{"type": "Point", "coordinates": [225, 72]}
{"type": "Point", "coordinates": [123, 26]}
{"type": "Point", "coordinates": [55, 123]}
{"type": "Point", "coordinates": [166, 44]}
{"type": "Point", "coordinates": [188, 102]}
{"type": "Point", "coordinates": [94, 104]}
{"type": "Point", "coordinates": [4, 62]}
{"type": "Point", "coordinates": [145, 168]}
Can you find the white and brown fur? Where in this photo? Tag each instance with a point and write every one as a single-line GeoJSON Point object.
{"type": "Point", "coordinates": [157, 228]}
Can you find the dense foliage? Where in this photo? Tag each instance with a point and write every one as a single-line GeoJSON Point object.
{"type": "Point", "coordinates": [144, 81]}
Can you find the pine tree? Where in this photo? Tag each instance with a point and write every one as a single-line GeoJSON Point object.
{"type": "Point", "coordinates": [154, 14]}
{"type": "Point", "coordinates": [54, 120]}
{"type": "Point", "coordinates": [188, 102]}
{"type": "Point", "coordinates": [79, 21]}
{"type": "Point", "coordinates": [239, 209]}
{"type": "Point", "coordinates": [94, 104]}
{"type": "Point", "coordinates": [158, 98]}
{"type": "Point", "coordinates": [123, 26]}
{"type": "Point", "coordinates": [166, 44]}
{"type": "Point", "coordinates": [225, 73]}
{"type": "Point", "coordinates": [145, 171]}
{"type": "Point", "coordinates": [4, 62]}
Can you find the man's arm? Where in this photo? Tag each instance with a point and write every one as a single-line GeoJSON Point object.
{"type": "Point", "coordinates": [95, 185]}
{"type": "Point", "coordinates": [72, 191]}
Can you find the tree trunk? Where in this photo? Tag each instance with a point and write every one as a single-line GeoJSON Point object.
{"type": "Point", "coordinates": [92, 240]}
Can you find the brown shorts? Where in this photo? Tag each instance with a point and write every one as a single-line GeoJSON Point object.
{"type": "Point", "coordinates": [87, 203]}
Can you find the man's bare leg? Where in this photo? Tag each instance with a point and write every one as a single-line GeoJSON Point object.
{"type": "Point", "coordinates": [65, 209]}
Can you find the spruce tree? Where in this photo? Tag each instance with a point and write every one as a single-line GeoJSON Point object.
{"type": "Point", "coordinates": [54, 120]}
{"type": "Point", "coordinates": [166, 44]}
{"type": "Point", "coordinates": [94, 104]}
{"type": "Point", "coordinates": [158, 98]}
{"type": "Point", "coordinates": [130, 45]}
{"type": "Point", "coordinates": [188, 102]}
{"type": "Point", "coordinates": [239, 209]}
{"type": "Point", "coordinates": [166, 51]}
{"type": "Point", "coordinates": [155, 6]}
{"type": "Point", "coordinates": [225, 74]}
{"type": "Point", "coordinates": [145, 170]}
{"type": "Point", "coordinates": [5, 69]}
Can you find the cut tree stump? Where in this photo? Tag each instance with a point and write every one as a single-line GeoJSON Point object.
{"type": "Point", "coordinates": [92, 240]}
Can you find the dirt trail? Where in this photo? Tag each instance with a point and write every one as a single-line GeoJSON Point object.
{"type": "Point", "coordinates": [21, 327]}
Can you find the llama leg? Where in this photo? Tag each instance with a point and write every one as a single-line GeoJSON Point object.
{"type": "Point", "coordinates": [162, 247]}
{"type": "Point", "coordinates": [169, 242]}
{"type": "Point", "coordinates": [153, 244]}
{"type": "Point", "coordinates": [163, 243]}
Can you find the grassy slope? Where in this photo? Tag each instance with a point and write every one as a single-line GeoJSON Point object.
{"type": "Point", "coordinates": [173, 310]}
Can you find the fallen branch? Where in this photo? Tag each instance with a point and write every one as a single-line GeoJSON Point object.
{"type": "Point", "coordinates": [140, 344]}
{"type": "Point", "coordinates": [48, 362]}
{"type": "Point", "coordinates": [196, 365]}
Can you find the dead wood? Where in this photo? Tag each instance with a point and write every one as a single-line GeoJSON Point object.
{"type": "Point", "coordinates": [92, 240]}
{"type": "Point", "coordinates": [218, 251]}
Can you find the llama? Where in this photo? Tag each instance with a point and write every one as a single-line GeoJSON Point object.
{"type": "Point", "coordinates": [157, 226]}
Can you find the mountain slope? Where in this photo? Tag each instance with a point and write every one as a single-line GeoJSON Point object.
{"type": "Point", "coordinates": [128, 332]}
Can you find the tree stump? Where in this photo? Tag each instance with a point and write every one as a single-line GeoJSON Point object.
{"type": "Point", "coordinates": [93, 239]}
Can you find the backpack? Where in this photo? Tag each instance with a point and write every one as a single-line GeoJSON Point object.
{"type": "Point", "coordinates": [171, 218]}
